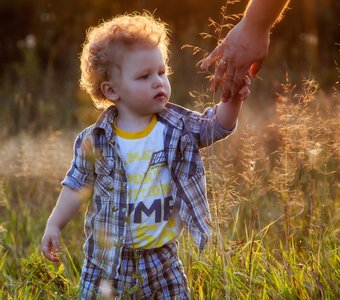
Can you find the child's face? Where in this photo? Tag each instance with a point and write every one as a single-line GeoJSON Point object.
{"type": "Point", "coordinates": [142, 86]}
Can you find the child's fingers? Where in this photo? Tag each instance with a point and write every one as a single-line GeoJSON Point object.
{"type": "Point", "coordinates": [55, 244]}
{"type": "Point", "coordinates": [247, 80]}
{"type": "Point", "coordinates": [50, 248]}
{"type": "Point", "coordinates": [54, 249]}
{"type": "Point", "coordinates": [214, 84]}
{"type": "Point", "coordinates": [44, 248]}
{"type": "Point", "coordinates": [244, 92]}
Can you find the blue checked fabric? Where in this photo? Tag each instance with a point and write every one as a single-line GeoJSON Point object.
{"type": "Point", "coordinates": [144, 274]}
{"type": "Point", "coordinates": [97, 165]}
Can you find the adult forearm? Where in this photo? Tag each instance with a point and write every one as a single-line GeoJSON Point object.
{"type": "Point", "coordinates": [262, 14]}
{"type": "Point", "coordinates": [67, 206]}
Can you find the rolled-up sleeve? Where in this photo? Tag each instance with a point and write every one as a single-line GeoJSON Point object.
{"type": "Point", "coordinates": [206, 129]}
{"type": "Point", "coordinates": [81, 172]}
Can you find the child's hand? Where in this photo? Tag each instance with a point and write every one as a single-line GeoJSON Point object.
{"type": "Point", "coordinates": [243, 93]}
{"type": "Point", "coordinates": [50, 243]}
{"type": "Point", "coordinates": [245, 89]}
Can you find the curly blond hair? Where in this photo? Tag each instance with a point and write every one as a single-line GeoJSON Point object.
{"type": "Point", "coordinates": [98, 54]}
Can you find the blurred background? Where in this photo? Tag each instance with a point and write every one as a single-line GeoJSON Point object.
{"type": "Point", "coordinates": [40, 42]}
{"type": "Point", "coordinates": [274, 184]}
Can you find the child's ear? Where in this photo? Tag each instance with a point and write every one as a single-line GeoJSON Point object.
{"type": "Point", "coordinates": [109, 91]}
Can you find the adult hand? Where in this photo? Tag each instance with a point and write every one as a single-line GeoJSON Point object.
{"type": "Point", "coordinates": [241, 52]}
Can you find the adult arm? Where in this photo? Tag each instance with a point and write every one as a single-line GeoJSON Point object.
{"type": "Point", "coordinates": [245, 47]}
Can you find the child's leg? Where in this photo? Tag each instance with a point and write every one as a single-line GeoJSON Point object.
{"type": "Point", "coordinates": [90, 281]}
{"type": "Point", "coordinates": [155, 274]}
{"type": "Point", "coordinates": [170, 282]}
{"type": "Point", "coordinates": [161, 271]}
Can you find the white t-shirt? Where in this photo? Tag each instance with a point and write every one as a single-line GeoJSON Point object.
{"type": "Point", "coordinates": [153, 220]}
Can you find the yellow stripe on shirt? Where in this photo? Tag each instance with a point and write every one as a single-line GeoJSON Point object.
{"type": "Point", "coordinates": [137, 134]}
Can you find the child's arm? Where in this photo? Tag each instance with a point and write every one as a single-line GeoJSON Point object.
{"type": "Point", "coordinates": [68, 204]}
{"type": "Point", "coordinates": [218, 122]}
{"type": "Point", "coordinates": [227, 112]}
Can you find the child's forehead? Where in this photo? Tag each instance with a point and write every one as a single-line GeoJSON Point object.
{"type": "Point", "coordinates": [119, 52]}
{"type": "Point", "coordinates": [122, 47]}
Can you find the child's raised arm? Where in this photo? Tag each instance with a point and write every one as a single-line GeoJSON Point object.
{"type": "Point", "coordinates": [227, 112]}
{"type": "Point", "coordinates": [68, 204]}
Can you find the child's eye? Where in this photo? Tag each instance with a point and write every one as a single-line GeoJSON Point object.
{"type": "Point", "coordinates": [144, 76]}
{"type": "Point", "coordinates": [161, 73]}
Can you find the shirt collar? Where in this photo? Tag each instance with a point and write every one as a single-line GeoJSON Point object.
{"type": "Point", "coordinates": [105, 122]}
{"type": "Point", "coordinates": [172, 115]}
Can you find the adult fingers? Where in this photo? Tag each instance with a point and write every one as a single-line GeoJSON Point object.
{"type": "Point", "coordinates": [229, 82]}
{"type": "Point", "coordinates": [218, 77]}
{"type": "Point", "coordinates": [212, 57]}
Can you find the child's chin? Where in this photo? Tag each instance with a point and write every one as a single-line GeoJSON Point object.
{"type": "Point", "coordinates": [159, 110]}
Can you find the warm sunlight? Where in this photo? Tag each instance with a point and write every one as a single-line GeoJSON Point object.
{"type": "Point", "coordinates": [195, 152]}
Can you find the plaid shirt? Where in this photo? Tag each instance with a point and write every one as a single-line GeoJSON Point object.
{"type": "Point", "coordinates": [97, 164]}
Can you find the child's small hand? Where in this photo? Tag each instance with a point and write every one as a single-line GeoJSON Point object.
{"type": "Point", "coordinates": [243, 93]}
{"type": "Point", "coordinates": [50, 243]}
{"type": "Point", "coordinates": [245, 90]}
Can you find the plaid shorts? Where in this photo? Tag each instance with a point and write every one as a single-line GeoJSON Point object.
{"type": "Point", "coordinates": [144, 274]}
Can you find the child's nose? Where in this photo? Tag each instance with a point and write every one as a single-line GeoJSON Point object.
{"type": "Point", "coordinates": [157, 81]}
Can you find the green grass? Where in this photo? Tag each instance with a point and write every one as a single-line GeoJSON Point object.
{"type": "Point", "coordinates": [275, 202]}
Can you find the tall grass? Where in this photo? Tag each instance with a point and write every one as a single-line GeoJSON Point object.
{"type": "Point", "coordinates": [275, 204]}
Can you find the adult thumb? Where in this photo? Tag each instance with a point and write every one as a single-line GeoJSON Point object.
{"type": "Point", "coordinates": [255, 67]}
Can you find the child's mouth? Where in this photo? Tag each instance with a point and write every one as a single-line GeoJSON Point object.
{"type": "Point", "coordinates": [160, 96]}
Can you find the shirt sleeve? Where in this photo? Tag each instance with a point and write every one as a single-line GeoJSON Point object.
{"type": "Point", "coordinates": [205, 127]}
{"type": "Point", "coordinates": [81, 172]}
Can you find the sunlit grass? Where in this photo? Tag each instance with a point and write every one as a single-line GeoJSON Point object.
{"type": "Point", "coordinates": [274, 196]}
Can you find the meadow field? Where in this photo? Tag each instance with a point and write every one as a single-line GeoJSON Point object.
{"type": "Point", "coordinates": [274, 194]}
{"type": "Point", "coordinates": [273, 186]}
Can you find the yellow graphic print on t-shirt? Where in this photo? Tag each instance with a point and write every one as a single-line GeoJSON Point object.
{"type": "Point", "coordinates": [152, 219]}
{"type": "Point", "coordinates": [150, 211]}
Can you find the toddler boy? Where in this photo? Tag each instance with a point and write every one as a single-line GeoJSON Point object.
{"type": "Point", "coordinates": [141, 162]}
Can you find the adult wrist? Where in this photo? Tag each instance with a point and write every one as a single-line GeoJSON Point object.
{"type": "Point", "coordinates": [255, 24]}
